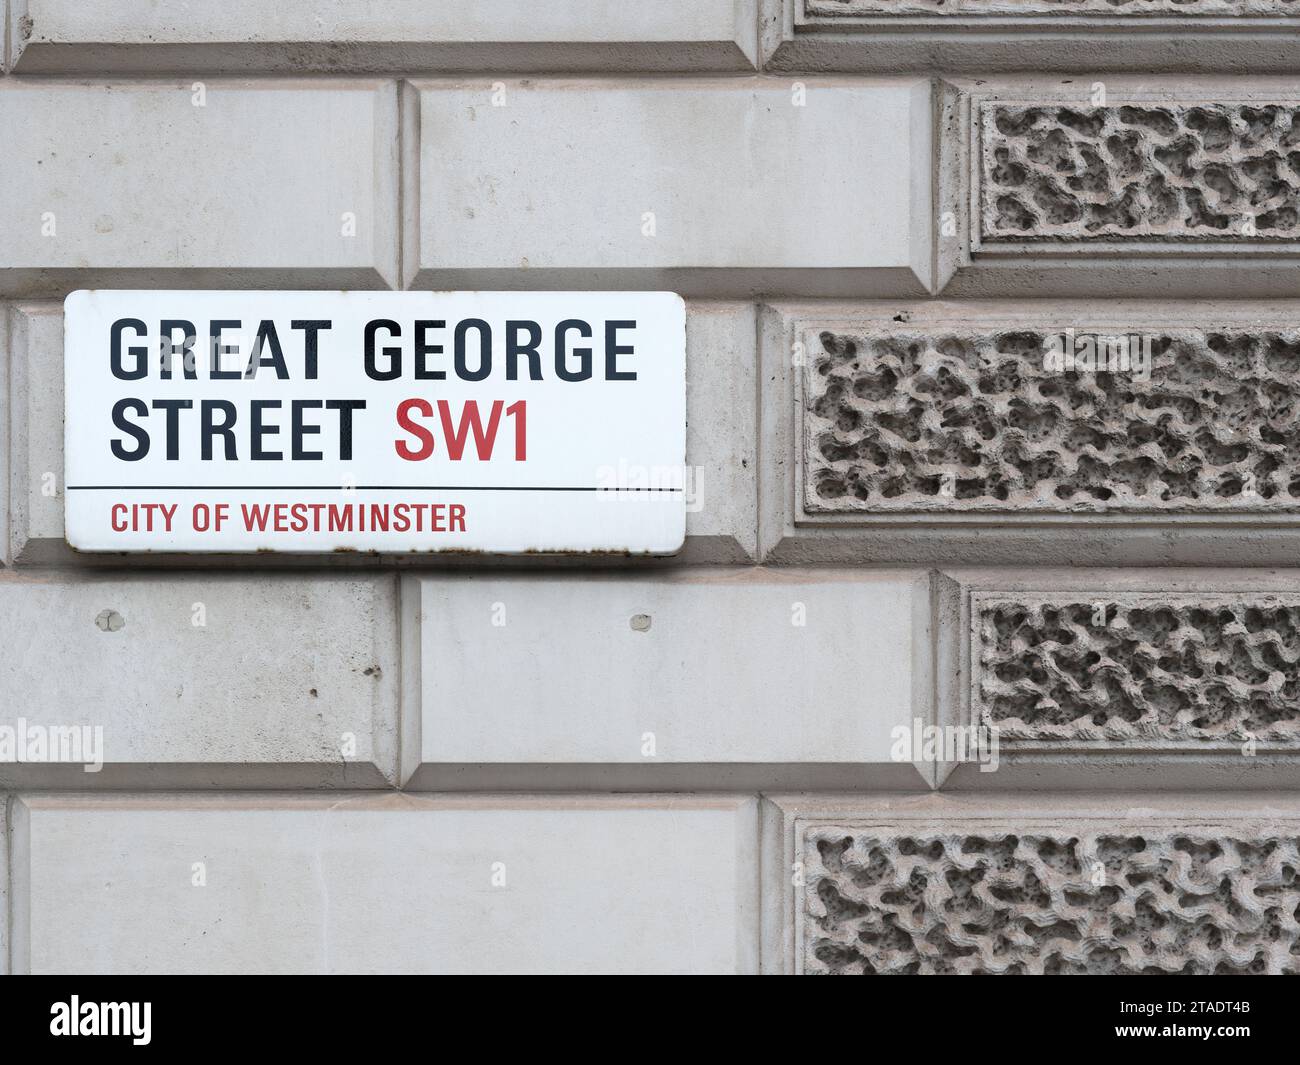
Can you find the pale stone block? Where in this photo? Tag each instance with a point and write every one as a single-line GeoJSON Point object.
{"type": "Point", "coordinates": [399, 36]}
{"type": "Point", "coordinates": [386, 884]}
{"type": "Point", "coordinates": [6, 443]}
{"type": "Point", "coordinates": [206, 183]}
{"type": "Point", "coordinates": [707, 187]}
{"type": "Point", "coordinates": [35, 430]}
{"type": "Point", "coordinates": [201, 680]}
{"type": "Point", "coordinates": [721, 432]}
{"type": "Point", "coordinates": [741, 676]}
{"type": "Point", "coordinates": [1125, 883]}
{"type": "Point", "coordinates": [721, 441]}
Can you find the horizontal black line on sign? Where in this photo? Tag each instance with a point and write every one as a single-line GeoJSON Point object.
{"type": "Point", "coordinates": [349, 488]}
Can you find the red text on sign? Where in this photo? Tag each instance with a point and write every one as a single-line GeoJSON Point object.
{"type": "Point", "coordinates": [456, 436]}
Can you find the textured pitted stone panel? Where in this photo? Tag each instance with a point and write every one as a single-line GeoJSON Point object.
{"type": "Point", "coordinates": [952, 418]}
{"type": "Point", "coordinates": [1155, 171]}
{"type": "Point", "coordinates": [1083, 38]}
{"type": "Point", "coordinates": [1176, 669]}
{"type": "Point", "coordinates": [829, 10]}
{"type": "Point", "coordinates": [1016, 897]}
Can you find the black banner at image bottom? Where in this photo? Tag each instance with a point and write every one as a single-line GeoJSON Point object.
{"type": "Point", "coordinates": [140, 1014]}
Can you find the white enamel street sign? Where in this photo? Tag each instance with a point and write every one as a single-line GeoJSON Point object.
{"type": "Point", "coordinates": [375, 421]}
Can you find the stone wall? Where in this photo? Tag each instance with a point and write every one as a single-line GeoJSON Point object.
{"type": "Point", "coordinates": [981, 654]}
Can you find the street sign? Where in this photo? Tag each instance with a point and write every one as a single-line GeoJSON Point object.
{"type": "Point", "coordinates": [501, 422]}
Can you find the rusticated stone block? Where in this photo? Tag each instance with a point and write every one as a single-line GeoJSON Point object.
{"type": "Point", "coordinates": [944, 417]}
{"type": "Point", "coordinates": [1020, 897]}
{"type": "Point", "coordinates": [830, 10]}
{"type": "Point", "coordinates": [1170, 669]}
{"type": "Point", "coordinates": [1068, 37]}
{"type": "Point", "coordinates": [1153, 172]}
